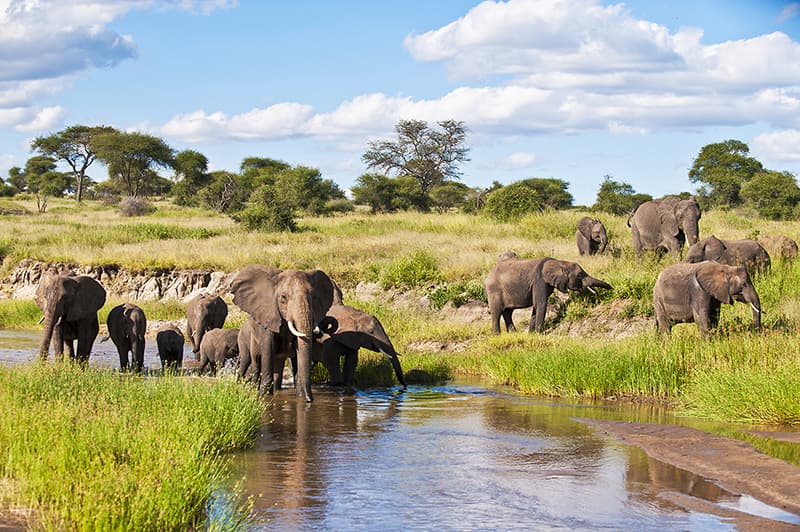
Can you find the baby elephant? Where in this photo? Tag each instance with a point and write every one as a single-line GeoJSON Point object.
{"type": "Point", "coordinates": [591, 236]}
{"type": "Point", "coordinates": [170, 343]}
{"type": "Point", "coordinates": [687, 293]}
{"type": "Point", "coordinates": [516, 283]}
{"type": "Point", "coordinates": [217, 346]}
{"type": "Point", "coordinates": [746, 252]}
{"type": "Point", "coordinates": [126, 327]}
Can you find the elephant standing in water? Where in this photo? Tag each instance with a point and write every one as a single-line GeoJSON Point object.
{"type": "Point", "coordinates": [352, 329]}
{"type": "Point", "coordinates": [170, 342]}
{"type": "Point", "coordinates": [70, 305]}
{"type": "Point", "coordinates": [204, 312]}
{"type": "Point", "coordinates": [127, 325]}
{"type": "Point", "coordinates": [745, 252]}
{"type": "Point", "coordinates": [694, 292]}
{"type": "Point", "coordinates": [218, 346]}
{"type": "Point", "coordinates": [257, 344]}
{"type": "Point", "coordinates": [296, 300]}
{"type": "Point", "coordinates": [665, 224]}
{"type": "Point", "coordinates": [591, 236]}
{"type": "Point", "coordinates": [516, 283]}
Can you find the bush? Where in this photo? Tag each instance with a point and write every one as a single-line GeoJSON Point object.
{"type": "Point", "coordinates": [457, 293]}
{"type": "Point", "coordinates": [512, 202]}
{"type": "Point", "coordinates": [268, 212]}
{"type": "Point", "coordinates": [411, 271]}
{"type": "Point", "coordinates": [130, 206]}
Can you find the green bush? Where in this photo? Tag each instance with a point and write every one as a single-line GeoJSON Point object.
{"type": "Point", "coordinates": [512, 202]}
{"type": "Point", "coordinates": [411, 271]}
{"type": "Point", "coordinates": [457, 293]}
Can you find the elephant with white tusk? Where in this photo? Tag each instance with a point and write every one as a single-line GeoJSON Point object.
{"type": "Point", "coordinates": [665, 224]}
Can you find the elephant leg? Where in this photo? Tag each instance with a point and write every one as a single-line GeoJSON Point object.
{"type": "Point", "coordinates": [330, 359]}
{"type": "Point", "coordinates": [87, 332]}
{"type": "Point", "coordinates": [122, 349]}
{"type": "Point", "coordinates": [662, 323]}
{"type": "Point", "coordinates": [495, 309]}
{"type": "Point", "coordinates": [264, 369]}
{"type": "Point", "coordinates": [350, 365]}
{"type": "Point", "coordinates": [637, 241]}
{"type": "Point", "coordinates": [244, 359]}
{"type": "Point", "coordinates": [537, 315]}
{"type": "Point", "coordinates": [58, 342]}
{"type": "Point", "coordinates": [507, 315]}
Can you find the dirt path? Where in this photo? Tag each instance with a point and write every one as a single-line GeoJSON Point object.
{"type": "Point", "coordinates": [734, 465]}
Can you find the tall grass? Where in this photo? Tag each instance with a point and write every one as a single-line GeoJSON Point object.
{"type": "Point", "coordinates": [94, 450]}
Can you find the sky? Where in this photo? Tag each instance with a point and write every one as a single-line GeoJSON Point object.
{"type": "Point", "coordinates": [567, 89]}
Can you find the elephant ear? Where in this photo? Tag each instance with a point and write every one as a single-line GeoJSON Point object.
{"type": "Point", "coordinates": [585, 227]}
{"type": "Point", "coordinates": [713, 278]}
{"type": "Point", "coordinates": [253, 290]}
{"type": "Point", "coordinates": [88, 296]}
{"type": "Point", "coordinates": [554, 274]}
{"type": "Point", "coordinates": [713, 248]}
{"type": "Point", "coordinates": [669, 221]}
{"type": "Point", "coordinates": [46, 280]}
{"type": "Point", "coordinates": [324, 292]}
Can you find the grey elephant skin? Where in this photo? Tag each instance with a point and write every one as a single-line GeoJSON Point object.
{"type": "Point", "coordinates": [745, 252]}
{"type": "Point", "coordinates": [69, 304]}
{"type": "Point", "coordinates": [295, 299]}
{"type": "Point", "coordinates": [170, 342]}
{"type": "Point", "coordinates": [203, 313]}
{"type": "Point", "coordinates": [127, 325]}
{"type": "Point", "coordinates": [779, 246]}
{"type": "Point", "coordinates": [257, 346]}
{"type": "Point", "coordinates": [520, 283]}
{"type": "Point", "coordinates": [353, 329]}
{"type": "Point", "coordinates": [218, 346]}
{"type": "Point", "coordinates": [665, 225]}
{"type": "Point", "coordinates": [591, 236]}
{"type": "Point", "coordinates": [694, 292]}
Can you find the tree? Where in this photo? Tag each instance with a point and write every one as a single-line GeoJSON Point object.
{"type": "Point", "coordinates": [305, 189]}
{"type": "Point", "coordinates": [132, 157]}
{"type": "Point", "coordinates": [723, 168]}
{"type": "Point", "coordinates": [42, 179]}
{"type": "Point", "coordinates": [430, 156]}
{"type": "Point", "coordinates": [511, 202]}
{"type": "Point", "coordinates": [375, 190]}
{"type": "Point", "coordinates": [774, 195]}
{"type": "Point", "coordinates": [191, 174]}
{"type": "Point", "coordinates": [616, 197]}
{"type": "Point", "coordinates": [268, 211]}
{"type": "Point", "coordinates": [551, 192]}
{"type": "Point", "coordinates": [409, 196]}
{"type": "Point", "coordinates": [448, 195]}
{"type": "Point", "coordinates": [223, 193]}
{"type": "Point", "coordinates": [16, 178]}
{"type": "Point", "coordinates": [74, 146]}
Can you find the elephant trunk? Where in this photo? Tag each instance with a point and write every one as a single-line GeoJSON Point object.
{"type": "Point", "coordinates": [590, 283]}
{"type": "Point", "coordinates": [751, 297]}
{"type": "Point", "coordinates": [52, 318]}
{"type": "Point", "coordinates": [691, 231]}
{"type": "Point", "coordinates": [302, 329]}
{"type": "Point", "coordinates": [603, 244]}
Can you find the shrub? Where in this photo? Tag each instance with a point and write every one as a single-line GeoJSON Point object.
{"type": "Point", "coordinates": [130, 206]}
{"type": "Point", "coordinates": [512, 202]}
{"type": "Point", "coordinates": [268, 212]}
{"type": "Point", "coordinates": [457, 293]}
{"type": "Point", "coordinates": [411, 271]}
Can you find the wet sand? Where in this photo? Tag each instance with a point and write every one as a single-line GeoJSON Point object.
{"type": "Point", "coordinates": [732, 464]}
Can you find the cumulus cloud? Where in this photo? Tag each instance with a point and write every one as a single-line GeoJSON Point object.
{"type": "Point", "coordinates": [517, 161]}
{"type": "Point", "coordinates": [778, 146]}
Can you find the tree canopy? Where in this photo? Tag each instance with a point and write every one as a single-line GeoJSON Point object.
{"type": "Point", "coordinates": [722, 168]}
{"type": "Point", "coordinates": [132, 158]}
{"type": "Point", "coordinates": [616, 197]}
{"type": "Point", "coordinates": [774, 195]}
{"type": "Point", "coordinates": [428, 155]}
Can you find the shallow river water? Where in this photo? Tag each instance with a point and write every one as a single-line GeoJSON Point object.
{"type": "Point", "coordinates": [455, 457]}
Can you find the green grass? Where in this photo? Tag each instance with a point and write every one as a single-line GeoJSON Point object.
{"type": "Point", "coordinates": [94, 450]}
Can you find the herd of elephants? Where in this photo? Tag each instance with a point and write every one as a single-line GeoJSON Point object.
{"type": "Point", "coordinates": [299, 314]}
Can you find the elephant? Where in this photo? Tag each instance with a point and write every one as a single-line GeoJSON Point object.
{"type": "Point", "coordinates": [352, 329]}
{"type": "Point", "coordinates": [295, 299]}
{"type": "Point", "coordinates": [520, 283]}
{"type": "Point", "coordinates": [69, 304]}
{"type": "Point", "coordinates": [665, 224]}
{"type": "Point", "coordinates": [218, 346]}
{"type": "Point", "coordinates": [779, 246]}
{"type": "Point", "coordinates": [170, 342]}
{"type": "Point", "coordinates": [127, 325]}
{"type": "Point", "coordinates": [204, 312]}
{"type": "Point", "coordinates": [694, 292]}
{"type": "Point", "coordinates": [591, 236]}
{"type": "Point", "coordinates": [259, 345]}
{"type": "Point", "coordinates": [746, 252]}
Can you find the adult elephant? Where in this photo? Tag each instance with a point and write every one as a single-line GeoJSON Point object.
{"type": "Point", "coordinates": [779, 246]}
{"type": "Point", "coordinates": [665, 224]}
{"type": "Point", "coordinates": [745, 252]}
{"type": "Point", "coordinates": [204, 312]}
{"type": "Point", "coordinates": [127, 325]}
{"type": "Point", "coordinates": [170, 342]}
{"type": "Point", "coordinates": [694, 292]}
{"type": "Point", "coordinates": [218, 346]}
{"type": "Point", "coordinates": [591, 236]}
{"type": "Point", "coordinates": [294, 299]}
{"type": "Point", "coordinates": [352, 329]}
{"type": "Point", "coordinates": [69, 304]}
{"type": "Point", "coordinates": [516, 283]}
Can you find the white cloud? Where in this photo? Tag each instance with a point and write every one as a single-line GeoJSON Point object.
{"type": "Point", "coordinates": [778, 146]}
{"type": "Point", "coordinates": [789, 12]}
{"type": "Point", "coordinates": [44, 119]}
{"type": "Point", "coordinates": [517, 161]}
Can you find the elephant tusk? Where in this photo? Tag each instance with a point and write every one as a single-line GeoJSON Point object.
{"type": "Point", "coordinates": [295, 331]}
{"type": "Point", "coordinates": [755, 308]}
{"type": "Point", "coordinates": [591, 290]}
{"type": "Point", "coordinates": [385, 353]}
{"type": "Point", "coordinates": [40, 320]}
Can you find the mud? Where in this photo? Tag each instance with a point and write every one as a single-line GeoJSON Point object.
{"type": "Point", "coordinates": [732, 464]}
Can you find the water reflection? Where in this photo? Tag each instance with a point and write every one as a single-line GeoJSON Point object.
{"type": "Point", "coordinates": [455, 458]}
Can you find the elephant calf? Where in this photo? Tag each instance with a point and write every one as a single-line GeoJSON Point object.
{"type": "Point", "coordinates": [591, 236]}
{"type": "Point", "coordinates": [170, 341]}
{"type": "Point", "coordinates": [746, 252]}
{"type": "Point", "coordinates": [217, 346]}
{"type": "Point", "coordinates": [694, 292]}
{"type": "Point", "coordinates": [516, 283]}
{"type": "Point", "coordinates": [127, 325]}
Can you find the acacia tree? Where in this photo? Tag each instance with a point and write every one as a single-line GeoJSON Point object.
{"type": "Point", "coordinates": [723, 168]}
{"type": "Point", "coordinates": [617, 197]}
{"type": "Point", "coordinates": [132, 157]}
{"type": "Point", "coordinates": [74, 146]}
{"type": "Point", "coordinates": [428, 155]}
{"type": "Point", "coordinates": [191, 174]}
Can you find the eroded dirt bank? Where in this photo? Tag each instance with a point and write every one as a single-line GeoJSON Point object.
{"type": "Point", "coordinates": [734, 465]}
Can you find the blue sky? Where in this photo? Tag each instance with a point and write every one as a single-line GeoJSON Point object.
{"type": "Point", "coordinates": [570, 89]}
